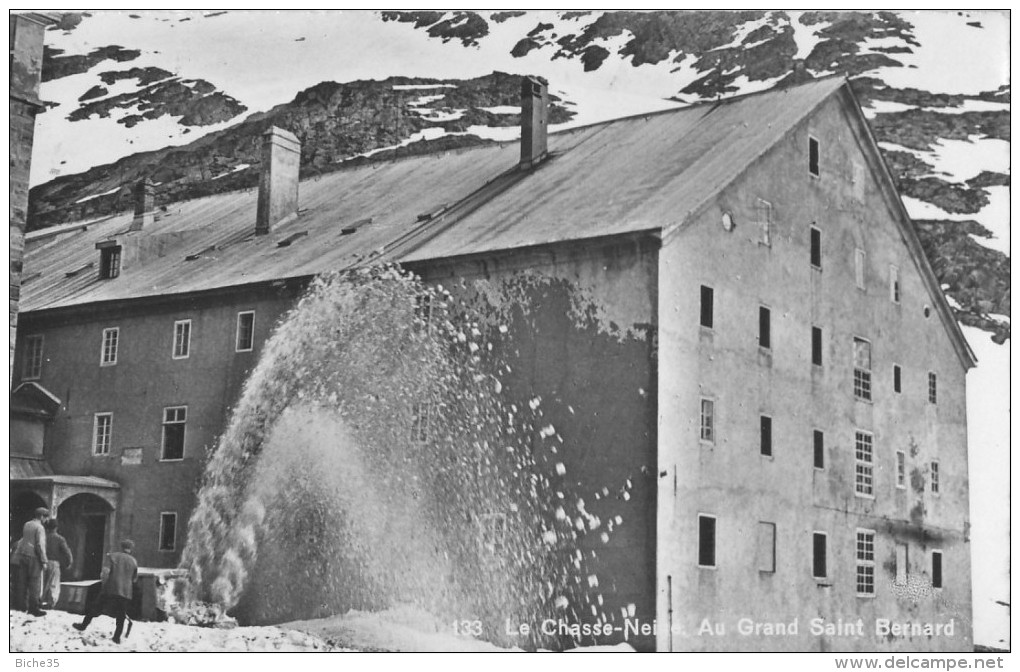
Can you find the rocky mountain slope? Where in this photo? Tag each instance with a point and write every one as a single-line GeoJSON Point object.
{"type": "Point", "coordinates": [704, 54]}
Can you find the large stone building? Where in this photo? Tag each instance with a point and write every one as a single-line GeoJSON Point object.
{"type": "Point", "coordinates": [730, 322]}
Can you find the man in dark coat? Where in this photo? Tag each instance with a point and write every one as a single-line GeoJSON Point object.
{"type": "Point", "coordinates": [59, 554]}
{"type": "Point", "coordinates": [120, 571]}
{"type": "Point", "coordinates": [28, 561]}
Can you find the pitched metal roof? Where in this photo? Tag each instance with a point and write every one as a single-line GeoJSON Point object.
{"type": "Point", "coordinates": [630, 175]}
{"type": "Point", "coordinates": [24, 468]}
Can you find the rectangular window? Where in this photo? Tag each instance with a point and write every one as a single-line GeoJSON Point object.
{"type": "Point", "coordinates": [816, 247]}
{"type": "Point", "coordinates": [182, 339]}
{"type": "Point", "coordinates": [902, 569]}
{"type": "Point", "coordinates": [102, 433]}
{"type": "Point", "coordinates": [816, 346]}
{"type": "Point", "coordinates": [708, 420]}
{"type": "Point", "coordinates": [167, 531]}
{"type": "Point", "coordinates": [763, 212]}
{"type": "Point", "coordinates": [932, 388]}
{"type": "Point", "coordinates": [934, 477]}
{"type": "Point", "coordinates": [819, 449]}
{"type": "Point", "coordinates": [420, 422]}
{"type": "Point", "coordinates": [859, 267]}
{"type": "Point", "coordinates": [706, 306]}
{"type": "Point", "coordinates": [174, 420]}
{"type": "Point", "coordinates": [813, 156]}
{"type": "Point", "coordinates": [33, 357]}
{"type": "Point", "coordinates": [901, 469]}
{"type": "Point", "coordinates": [896, 386]}
{"type": "Point", "coordinates": [245, 331]}
{"type": "Point", "coordinates": [936, 569]}
{"type": "Point", "coordinates": [764, 327]}
{"type": "Point", "coordinates": [819, 559]}
{"type": "Point", "coordinates": [894, 284]}
{"type": "Point", "coordinates": [865, 562]}
{"type": "Point", "coordinates": [111, 339]}
{"type": "Point", "coordinates": [766, 547]}
{"type": "Point", "coordinates": [493, 532]}
{"type": "Point", "coordinates": [706, 541]}
{"type": "Point", "coordinates": [862, 369]}
{"type": "Point", "coordinates": [766, 435]}
{"type": "Point", "coordinates": [864, 467]}
{"type": "Point", "coordinates": [109, 262]}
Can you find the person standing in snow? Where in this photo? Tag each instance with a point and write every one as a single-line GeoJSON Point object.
{"type": "Point", "coordinates": [59, 555]}
{"type": "Point", "coordinates": [28, 561]}
{"type": "Point", "coordinates": [120, 571]}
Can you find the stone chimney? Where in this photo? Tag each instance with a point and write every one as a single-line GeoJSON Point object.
{"type": "Point", "coordinates": [278, 184]}
{"type": "Point", "coordinates": [534, 120]}
{"type": "Point", "coordinates": [145, 204]}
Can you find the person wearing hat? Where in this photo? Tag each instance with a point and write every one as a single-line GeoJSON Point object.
{"type": "Point", "coordinates": [28, 561]}
{"type": "Point", "coordinates": [120, 571]}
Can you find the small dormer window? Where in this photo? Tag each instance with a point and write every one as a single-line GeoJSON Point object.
{"type": "Point", "coordinates": [109, 262]}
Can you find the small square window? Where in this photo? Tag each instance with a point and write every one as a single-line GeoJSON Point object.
{"type": "Point", "coordinates": [816, 248]}
{"type": "Point", "coordinates": [708, 420]}
{"type": "Point", "coordinates": [819, 560]}
{"type": "Point", "coordinates": [102, 433]}
{"type": "Point", "coordinates": [766, 435]}
{"type": "Point", "coordinates": [245, 340]}
{"type": "Point", "coordinates": [819, 441]}
{"type": "Point", "coordinates": [933, 396]}
{"type": "Point", "coordinates": [764, 327]}
{"type": "Point", "coordinates": [182, 339]}
{"type": "Point", "coordinates": [167, 531]}
{"type": "Point", "coordinates": [936, 569]}
{"type": "Point", "coordinates": [32, 369]}
{"type": "Point", "coordinates": [111, 340]}
{"type": "Point", "coordinates": [707, 298]}
{"type": "Point", "coordinates": [767, 547]}
{"type": "Point", "coordinates": [706, 540]}
{"type": "Point", "coordinates": [813, 156]}
{"type": "Point", "coordinates": [174, 422]}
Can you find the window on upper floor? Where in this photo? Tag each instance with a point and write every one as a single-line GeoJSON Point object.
{"type": "Point", "coordinates": [933, 396]}
{"type": "Point", "coordinates": [816, 346]}
{"type": "Point", "coordinates": [175, 419]}
{"type": "Point", "coordinates": [706, 540]}
{"type": "Point", "coordinates": [182, 339]}
{"type": "Point", "coordinates": [766, 435]}
{"type": "Point", "coordinates": [894, 284]}
{"type": "Point", "coordinates": [245, 339]}
{"type": "Point", "coordinates": [865, 555]}
{"type": "Point", "coordinates": [813, 157]}
{"type": "Point", "coordinates": [766, 547]}
{"type": "Point", "coordinates": [819, 449]}
{"type": "Point", "coordinates": [859, 259]}
{"type": "Point", "coordinates": [33, 363]}
{"type": "Point", "coordinates": [897, 379]}
{"type": "Point", "coordinates": [111, 341]}
{"type": "Point", "coordinates": [707, 309]}
{"type": "Point", "coordinates": [816, 248]}
{"type": "Point", "coordinates": [936, 569]}
{"type": "Point", "coordinates": [864, 464]}
{"type": "Point", "coordinates": [109, 262]}
{"type": "Point", "coordinates": [167, 531]}
{"type": "Point", "coordinates": [763, 213]}
{"type": "Point", "coordinates": [764, 327]}
{"type": "Point", "coordinates": [102, 433]}
{"type": "Point", "coordinates": [935, 477]}
{"type": "Point", "coordinates": [862, 369]}
{"type": "Point", "coordinates": [819, 559]}
{"type": "Point", "coordinates": [901, 469]}
{"type": "Point", "coordinates": [708, 420]}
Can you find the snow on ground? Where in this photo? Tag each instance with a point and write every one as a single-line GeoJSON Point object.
{"type": "Point", "coordinates": [988, 420]}
{"type": "Point", "coordinates": [53, 633]}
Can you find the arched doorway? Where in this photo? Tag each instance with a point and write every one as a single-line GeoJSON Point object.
{"type": "Point", "coordinates": [23, 504]}
{"type": "Point", "coordinates": [84, 520]}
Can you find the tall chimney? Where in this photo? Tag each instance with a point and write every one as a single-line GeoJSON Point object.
{"type": "Point", "coordinates": [145, 204]}
{"type": "Point", "coordinates": [534, 120]}
{"type": "Point", "coordinates": [278, 184]}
